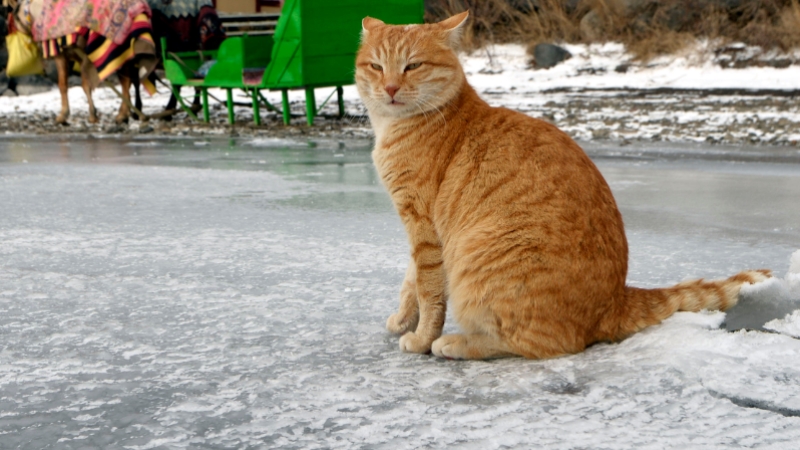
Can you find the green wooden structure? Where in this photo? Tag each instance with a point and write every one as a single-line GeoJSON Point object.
{"type": "Point", "coordinates": [314, 46]}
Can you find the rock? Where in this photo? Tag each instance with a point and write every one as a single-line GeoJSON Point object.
{"type": "Point", "coordinates": [780, 63]}
{"type": "Point", "coordinates": [622, 68]}
{"type": "Point", "coordinates": [675, 19]}
{"type": "Point", "coordinates": [601, 133]}
{"type": "Point", "coordinates": [571, 6]}
{"type": "Point", "coordinates": [546, 56]}
{"type": "Point", "coordinates": [33, 84]}
{"type": "Point", "coordinates": [9, 93]}
{"type": "Point", "coordinates": [592, 26]}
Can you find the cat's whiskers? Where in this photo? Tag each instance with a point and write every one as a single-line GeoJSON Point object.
{"type": "Point", "coordinates": [424, 113]}
{"type": "Point", "coordinates": [423, 102]}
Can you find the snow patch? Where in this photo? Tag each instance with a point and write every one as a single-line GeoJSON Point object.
{"type": "Point", "coordinates": [790, 288]}
{"type": "Point", "coordinates": [273, 142]}
{"type": "Point", "coordinates": [773, 304]}
{"type": "Point", "coordinates": [794, 264]}
{"type": "Point", "coordinates": [789, 325]}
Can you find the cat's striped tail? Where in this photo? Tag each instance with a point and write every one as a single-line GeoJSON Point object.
{"type": "Point", "coordinates": [645, 307]}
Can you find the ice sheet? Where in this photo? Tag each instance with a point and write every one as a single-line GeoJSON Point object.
{"type": "Point", "coordinates": [227, 296]}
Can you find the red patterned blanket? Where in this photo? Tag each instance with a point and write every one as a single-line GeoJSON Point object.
{"type": "Point", "coordinates": [52, 19]}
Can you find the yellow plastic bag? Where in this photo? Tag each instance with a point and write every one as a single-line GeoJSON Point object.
{"type": "Point", "coordinates": [23, 56]}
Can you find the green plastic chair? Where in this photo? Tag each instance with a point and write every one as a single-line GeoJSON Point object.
{"type": "Point", "coordinates": [314, 46]}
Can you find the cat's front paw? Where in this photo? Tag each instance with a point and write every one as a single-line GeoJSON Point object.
{"type": "Point", "coordinates": [399, 323]}
{"type": "Point", "coordinates": [411, 343]}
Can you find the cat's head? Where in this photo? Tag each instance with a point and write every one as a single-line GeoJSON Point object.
{"type": "Point", "coordinates": [405, 70]}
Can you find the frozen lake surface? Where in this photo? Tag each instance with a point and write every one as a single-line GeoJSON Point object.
{"type": "Point", "coordinates": [220, 294]}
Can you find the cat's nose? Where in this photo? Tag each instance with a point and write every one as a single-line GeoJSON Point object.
{"type": "Point", "coordinates": [392, 89]}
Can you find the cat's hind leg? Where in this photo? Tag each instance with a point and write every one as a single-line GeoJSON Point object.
{"type": "Point", "coordinates": [470, 346]}
{"type": "Point", "coordinates": [407, 316]}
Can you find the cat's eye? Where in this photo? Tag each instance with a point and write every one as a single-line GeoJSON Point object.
{"type": "Point", "coordinates": [377, 67]}
{"type": "Point", "coordinates": [412, 66]}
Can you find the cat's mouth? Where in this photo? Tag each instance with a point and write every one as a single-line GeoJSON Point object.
{"type": "Point", "coordinates": [395, 102]}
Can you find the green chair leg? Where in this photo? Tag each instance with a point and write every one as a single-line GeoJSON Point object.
{"type": "Point", "coordinates": [182, 104]}
{"type": "Point", "coordinates": [340, 94]}
{"type": "Point", "coordinates": [230, 106]}
{"type": "Point", "coordinates": [287, 113]}
{"type": "Point", "coordinates": [256, 108]}
{"type": "Point", "coordinates": [311, 106]}
{"type": "Point", "coordinates": [204, 95]}
{"type": "Point", "coordinates": [270, 106]}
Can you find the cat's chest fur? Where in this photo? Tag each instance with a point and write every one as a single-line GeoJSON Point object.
{"type": "Point", "coordinates": [404, 171]}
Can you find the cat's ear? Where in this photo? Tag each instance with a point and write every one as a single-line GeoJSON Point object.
{"type": "Point", "coordinates": [454, 27]}
{"type": "Point", "coordinates": [370, 23]}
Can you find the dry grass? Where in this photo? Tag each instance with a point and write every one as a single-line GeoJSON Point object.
{"type": "Point", "coordinates": [500, 21]}
{"type": "Point", "coordinates": [649, 28]}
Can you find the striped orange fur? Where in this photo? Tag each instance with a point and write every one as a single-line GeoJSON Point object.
{"type": "Point", "coordinates": [506, 216]}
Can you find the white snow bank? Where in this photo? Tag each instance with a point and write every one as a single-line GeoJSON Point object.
{"type": "Point", "coordinates": [593, 67]}
{"type": "Point", "coordinates": [777, 297]}
{"type": "Point", "coordinates": [789, 289]}
{"type": "Point", "coordinates": [789, 325]}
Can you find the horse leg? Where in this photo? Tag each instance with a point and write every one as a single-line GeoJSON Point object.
{"type": "Point", "coordinates": [63, 85]}
{"type": "Point", "coordinates": [173, 100]}
{"type": "Point", "coordinates": [124, 111]}
{"type": "Point", "coordinates": [172, 103]}
{"type": "Point", "coordinates": [138, 101]}
{"type": "Point", "coordinates": [86, 83]}
{"type": "Point", "coordinates": [196, 102]}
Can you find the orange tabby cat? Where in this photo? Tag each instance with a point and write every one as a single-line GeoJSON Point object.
{"type": "Point", "coordinates": [505, 214]}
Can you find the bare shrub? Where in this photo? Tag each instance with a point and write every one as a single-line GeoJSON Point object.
{"type": "Point", "coordinates": [646, 27]}
{"type": "Point", "coordinates": [511, 20]}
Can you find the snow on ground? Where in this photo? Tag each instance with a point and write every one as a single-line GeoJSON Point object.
{"type": "Point", "coordinates": [787, 288]}
{"type": "Point", "coordinates": [688, 97]}
{"type": "Point", "coordinates": [595, 67]}
{"type": "Point", "coordinates": [682, 98]}
{"type": "Point", "coordinates": [201, 293]}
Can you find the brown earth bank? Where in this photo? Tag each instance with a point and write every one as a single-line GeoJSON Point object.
{"type": "Point", "coordinates": [714, 116]}
{"type": "Point", "coordinates": [647, 27]}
